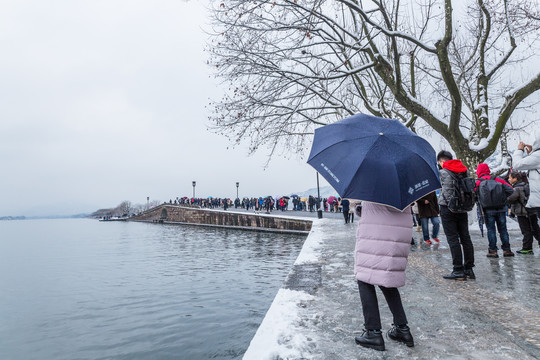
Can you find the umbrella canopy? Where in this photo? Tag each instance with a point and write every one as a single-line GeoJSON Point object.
{"type": "Point", "coordinates": [284, 197]}
{"type": "Point", "coordinates": [303, 199]}
{"type": "Point", "coordinates": [331, 199]}
{"type": "Point", "coordinates": [294, 195]}
{"type": "Point", "coordinates": [374, 159]}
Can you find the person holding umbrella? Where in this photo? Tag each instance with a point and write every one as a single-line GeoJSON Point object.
{"type": "Point", "coordinates": [387, 167]}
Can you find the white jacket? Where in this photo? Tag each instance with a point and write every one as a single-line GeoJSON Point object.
{"type": "Point", "coordinates": [530, 163]}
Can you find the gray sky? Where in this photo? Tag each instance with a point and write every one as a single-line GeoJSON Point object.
{"type": "Point", "coordinates": [104, 100]}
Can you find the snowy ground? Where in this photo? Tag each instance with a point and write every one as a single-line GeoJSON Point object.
{"type": "Point", "coordinates": [493, 317]}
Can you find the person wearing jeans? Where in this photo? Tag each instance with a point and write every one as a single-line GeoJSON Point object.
{"type": "Point", "coordinates": [498, 218]}
{"type": "Point", "coordinates": [495, 216]}
{"type": "Point", "coordinates": [428, 210]}
{"type": "Point", "coordinates": [436, 224]}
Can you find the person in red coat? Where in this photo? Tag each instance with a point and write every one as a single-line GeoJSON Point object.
{"type": "Point", "coordinates": [495, 216]}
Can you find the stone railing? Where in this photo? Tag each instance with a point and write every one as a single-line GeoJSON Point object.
{"type": "Point", "coordinates": [178, 214]}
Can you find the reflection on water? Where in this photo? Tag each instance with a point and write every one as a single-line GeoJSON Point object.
{"type": "Point", "coordinates": [79, 289]}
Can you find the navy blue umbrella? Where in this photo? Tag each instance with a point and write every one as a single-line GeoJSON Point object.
{"type": "Point", "coordinates": [373, 159]}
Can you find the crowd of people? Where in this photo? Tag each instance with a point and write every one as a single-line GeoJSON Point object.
{"type": "Point", "coordinates": [383, 235]}
{"type": "Point", "coordinates": [516, 195]}
{"type": "Point", "coordinates": [269, 204]}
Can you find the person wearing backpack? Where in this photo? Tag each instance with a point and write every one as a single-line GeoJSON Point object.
{"type": "Point", "coordinates": [527, 158]}
{"type": "Point", "coordinates": [492, 194]}
{"type": "Point", "coordinates": [454, 218]}
{"type": "Point", "coordinates": [518, 201]}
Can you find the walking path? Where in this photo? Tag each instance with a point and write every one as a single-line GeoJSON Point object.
{"type": "Point", "coordinates": [317, 313]}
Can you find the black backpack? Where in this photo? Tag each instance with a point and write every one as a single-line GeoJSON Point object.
{"type": "Point", "coordinates": [463, 196]}
{"type": "Point", "coordinates": [491, 194]}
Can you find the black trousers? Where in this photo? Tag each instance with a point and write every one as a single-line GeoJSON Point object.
{"type": "Point", "coordinates": [456, 228]}
{"type": "Point", "coordinates": [346, 216]}
{"type": "Point", "coordinates": [529, 229]}
{"type": "Point", "coordinates": [370, 306]}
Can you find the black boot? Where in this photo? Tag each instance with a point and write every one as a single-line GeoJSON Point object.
{"type": "Point", "coordinates": [469, 273]}
{"type": "Point", "coordinates": [402, 334]}
{"type": "Point", "coordinates": [371, 339]}
{"type": "Point", "coordinates": [455, 275]}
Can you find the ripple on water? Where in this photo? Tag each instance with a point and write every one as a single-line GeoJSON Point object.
{"type": "Point", "coordinates": [79, 289]}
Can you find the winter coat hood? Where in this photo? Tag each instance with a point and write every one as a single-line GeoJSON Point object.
{"type": "Point", "coordinates": [483, 169]}
{"type": "Point", "coordinates": [454, 166]}
{"type": "Point", "coordinates": [447, 181]}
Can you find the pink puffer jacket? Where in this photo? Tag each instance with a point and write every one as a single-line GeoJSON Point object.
{"type": "Point", "coordinates": [383, 242]}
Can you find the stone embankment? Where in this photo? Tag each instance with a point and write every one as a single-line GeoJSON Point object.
{"type": "Point", "coordinates": [178, 214]}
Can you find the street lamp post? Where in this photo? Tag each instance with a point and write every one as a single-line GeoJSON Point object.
{"type": "Point", "coordinates": [319, 210]}
{"type": "Point", "coordinates": [194, 183]}
{"type": "Point", "coordinates": [147, 202]}
{"type": "Point", "coordinates": [237, 185]}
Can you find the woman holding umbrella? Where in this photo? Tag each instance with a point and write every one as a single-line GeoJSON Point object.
{"type": "Point", "coordinates": [388, 167]}
{"type": "Point", "coordinates": [382, 246]}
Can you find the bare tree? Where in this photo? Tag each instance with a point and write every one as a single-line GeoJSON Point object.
{"type": "Point", "coordinates": [124, 208]}
{"type": "Point", "coordinates": [294, 65]}
{"type": "Point", "coordinates": [138, 208]}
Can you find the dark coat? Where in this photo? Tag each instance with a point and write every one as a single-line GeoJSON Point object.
{"type": "Point", "coordinates": [428, 210]}
{"type": "Point", "coordinates": [345, 205]}
{"type": "Point", "coordinates": [447, 181]}
{"type": "Point", "coordinates": [518, 200]}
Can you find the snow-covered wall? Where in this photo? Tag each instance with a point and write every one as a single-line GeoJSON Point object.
{"type": "Point", "coordinates": [281, 334]}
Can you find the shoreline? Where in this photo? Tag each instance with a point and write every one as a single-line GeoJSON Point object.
{"type": "Point", "coordinates": [279, 335]}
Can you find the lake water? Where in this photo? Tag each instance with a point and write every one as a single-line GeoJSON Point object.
{"type": "Point", "coordinates": [83, 289]}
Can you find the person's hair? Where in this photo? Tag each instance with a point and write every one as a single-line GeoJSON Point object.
{"type": "Point", "coordinates": [516, 175]}
{"type": "Point", "coordinates": [444, 155]}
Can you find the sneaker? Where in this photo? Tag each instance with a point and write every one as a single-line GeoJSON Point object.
{"type": "Point", "coordinates": [523, 251]}
{"type": "Point", "coordinates": [508, 253]}
{"type": "Point", "coordinates": [469, 273]}
{"type": "Point", "coordinates": [455, 275]}
{"type": "Point", "coordinates": [436, 240]}
{"type": "Point", "coordinates": [371, 339]}
{"type": "Point", "coordinates": [428, 241]}
{"type": "Point", "coordinates": [492, 254]}
{"type": "Point", "coordinates": [401, 334]}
